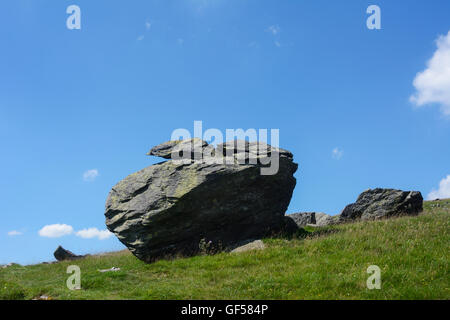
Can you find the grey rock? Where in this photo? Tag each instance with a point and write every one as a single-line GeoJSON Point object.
{"type": "Point", "coordinates": [233, 147]}
{"type": "Point", "coordinates": [313, 219]}
{"type": "Point", "coordinates": [62, 254]}
{"type": "Point", "coordinates": [192, 148]}
{"type": "Point", "coordinates": [323, 219]}
{"type": "Point", "coordinates": [169, 207]}
{"type": "Point", "coordinates": [244, 152]}
{"type": "Point", "coordinates": [253, 245]}
{"type": "Point", "coordinates": [383, 203]}
{"type": "Point", "coordinates": [255, 149]}
{"type": "Point", "coordinates": [302, 219]}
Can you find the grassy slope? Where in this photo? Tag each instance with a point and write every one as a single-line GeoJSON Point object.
{"type": "Point", "coordinates": [331, 263]}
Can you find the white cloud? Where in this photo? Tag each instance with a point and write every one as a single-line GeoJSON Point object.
{"type": "Point", "coordinates": [337, 153]}
{"type": "Point", "coordinates": [140, 38]}
{"type": "Point", "coordinates": [443, 192]}
{"type": "Point", "coordinates": [277, 44]}
{"type": "Point", "coordinates": [60, 230]}
{"type": "Point", "coordinates": [90, 175]}
{"type": "Point", "coordinates": [180, 41]}
{"type": "Point", "coordinates": [275, 29]}
{"type": "Point", "coordinates": [55, 230]}
{"type": "Point", "coordinates": [94, 233]}
{"type": "Point", "coordinates": [14, 233]}
{"type": "Point", "coordinates": [433, 84]}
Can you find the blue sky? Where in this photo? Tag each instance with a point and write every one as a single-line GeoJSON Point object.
{"type": "Point", "coordinates": [80, 108]}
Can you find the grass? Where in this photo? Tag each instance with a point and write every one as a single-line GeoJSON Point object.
{"type": "Point", "coordinates": [325, 263]}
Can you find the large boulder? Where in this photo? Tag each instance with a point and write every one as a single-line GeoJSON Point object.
{"type": "Point", "coordinates": [383, 203]}
{"type": "Point", "coordinates": [169, 207]}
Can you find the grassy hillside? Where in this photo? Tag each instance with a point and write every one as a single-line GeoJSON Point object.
{"type": "Point", "coordinates": [329, 263]}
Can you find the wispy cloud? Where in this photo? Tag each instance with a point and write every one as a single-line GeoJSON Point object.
{"type": "Point", "coordinates": [55, 230]}
{"type": "Point", "coordinates": [274, 29]}
{"type": "Point", "coordinates": [14, 233]}
{"type": "Point", "coordinates": [148, 26]}
{"type": "Point", "coordinates": [433, 84]}
{"type": "Point", "coordinates": [94, 233]}
{"type": "Point", "coordinates": [90, 175]}
{"type": "Point", "coordinates": [337, 153]}
{"type": "Point", "coordinates": [443, 192]}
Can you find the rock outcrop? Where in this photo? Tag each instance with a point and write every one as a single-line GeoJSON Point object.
{"type": "Point", "coordinates": [167, 208]}
{"type": "Point", "coordinates": [316, 219]}
{"type": "Point", "coordinates": [323, 219]}
{"type": "Point", "coordinates": [62, 254]}
{"type": "Point", "coordinates": [383, 203]}
{"type": "Point", "coordinates": [4, 266]}
{"type": "Point", "coordinates": [302, 219]}
{"type": "Point", "coordinates": [178, 148]}
{"type": "Point", "coordinates": [370, 205]}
